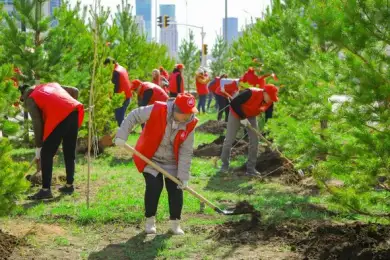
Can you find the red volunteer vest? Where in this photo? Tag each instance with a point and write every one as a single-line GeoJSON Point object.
{"type": "Point", "coordinates": [229, 88]}
{"type": "Point", "coordinates": [251, 78]}
{"type": "Point", "coordinates": [153, 133]}
{"type": "Point", "coordinates": [254, 106]}
{"type": "Point", "coordinates": [56, 104]}
{"type": "Point", "coordinates": [158, 93]}
{"type": "Point", "coordinates": [201, 88]}
{"type": "Point", "coordinates": [216, 85]}
{"type": "Point", "coordinates": [173, 83]}
{"type": "Point", "coordinates": [124, 82]}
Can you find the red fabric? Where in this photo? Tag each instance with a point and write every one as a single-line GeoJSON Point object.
{"type": "Point", "coordinates": [254, 106]}
{"type": "Point", "coordinates": [153, 133]}
{"type": "Point", "coordinates": [186, 103]}
{"type": "Point", "coordinates": [173, 83]}
{"type": "Point", "coordinates": [159, 82]}
{"type": "Point", "coordinates": [124, 82]}
{"type": "Point", "coordinates": [56, 104]}
{"type": "Point", "coordinates": [158, 93]}
{"type": "Point", "coordinates": [231, 89]}
{"type": "Point", "coordinates": [250, 77]}
{"type": "Point", "coordinates": [164, 73]}
{"type": "Point", "coordinates": [272, 92]}
{"type": "Point", "coordinates": [216, 85]}
{"type": "Point", "coordinates": [201, 89]}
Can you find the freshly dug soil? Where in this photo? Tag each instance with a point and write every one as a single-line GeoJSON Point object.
{"type": "Point", "coordinates": [212, 127]}
{"type": "Point", "coordinates": [7, 245]}
{"type": "Point", "coordinates": [244, 207]}
{"type": "Point", "coordinates": [324, 241]}
{"type": "Point", "coordinates": [215, 148]}
{"type": "Point", "coordinates": [36, 179]}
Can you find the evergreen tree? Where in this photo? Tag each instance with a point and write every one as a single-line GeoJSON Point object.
{"type": "Point", "coordinates": [189, 56]}
{"type": "Point", "coordinates": [220, 56]}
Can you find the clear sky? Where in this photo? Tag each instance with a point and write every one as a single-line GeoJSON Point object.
{"type": "Point", "coordinates": [207, 13]}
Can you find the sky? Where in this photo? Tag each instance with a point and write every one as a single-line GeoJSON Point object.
{"type": "Point", "coordinates": [206, 13]}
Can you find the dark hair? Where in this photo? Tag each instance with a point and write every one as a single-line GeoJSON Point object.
{"type": "Point", "coordinates": [109, 60]}
{"type": "Point", "coordinates": [223, 76]}
{"type": "Point", "coordinates": [175, 70]}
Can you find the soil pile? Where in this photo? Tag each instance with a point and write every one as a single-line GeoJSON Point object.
{"type": "Point", "coordinates": [212, 127]}
{"type": "Point", "coordinates": [7, 245]}
{"type": "Point", "coordinates": [215, 148]}
{"type": "Point", "coordinates": [322, 241]}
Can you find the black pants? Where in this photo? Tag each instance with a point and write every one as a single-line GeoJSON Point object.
{"type": "Point", "coordinates": [223, 106]}
{"type": "Point", "coordinates": [65, 132]}
{"type": "Point", "coordinates": [172, 94]}
{"type": "Point", "coordinates": [154, 187]}
{"type": "Point", "coordinates": [269, 112]}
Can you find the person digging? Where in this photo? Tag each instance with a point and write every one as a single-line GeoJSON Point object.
{"type": "Point", "coordinates": [56, 117]}
{"type": "Point", "coordinates": [167, 140]}
{"type": "Point", "coordinates": [244, 109]}
{"type": "Point", "coordinates": [148, 92]}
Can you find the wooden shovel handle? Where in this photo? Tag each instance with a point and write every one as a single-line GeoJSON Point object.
{"type": "Point", "coordinates": [172, 178]}
{"type": "Point", "coordinates": [31, 164]}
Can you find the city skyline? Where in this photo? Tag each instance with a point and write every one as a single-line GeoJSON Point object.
{"type": "Point", "coordinates": [144, 8]}
{"type": "Point", "coordinates": [232, 32]}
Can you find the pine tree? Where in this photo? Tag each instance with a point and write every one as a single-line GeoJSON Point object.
{"type": "Point", "coordinates": [220, 56]}
{"type": "Point", "coordinates": [319, 49]}
{"type": "Point", "coordinates": [189, 56]}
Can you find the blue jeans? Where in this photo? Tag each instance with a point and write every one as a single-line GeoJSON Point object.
{"type": "Point", "coordinates": [121, 111]}
{"type": "Point", "coordinates": [202, 103]}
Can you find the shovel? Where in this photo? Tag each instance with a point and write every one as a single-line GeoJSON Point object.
{"type": "Point", "coordinates": [300, 172]}
{"type": "Point", "coordinates": [237, 211]}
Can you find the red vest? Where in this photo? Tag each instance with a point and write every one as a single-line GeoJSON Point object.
{"type": "Point", "coordinates": [201, 88]}
{"type": "Point", "coordinates": [250, 77]}
{"type": "Point", "coordinates": [254, 106]}
{"type": "Point", "coordinates": [153, 134]}
{"type": "Point", "coordinates": [173, 83]}
{"type": "Point", "coordinates": [229, 88]}
{"type": "Point", "coordinates": [56, 104]}
{"type": "Point", "coordinates": [124, 82]}
{"type": "Point", "coordinates": [216, 85]}
{"type": "Point", "coordinates": [158, 93]}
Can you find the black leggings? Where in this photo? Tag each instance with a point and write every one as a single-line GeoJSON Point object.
{"type": "Point", "coordinates": [65, 132]}
{"type": "Point", "coordinates": [154, 186]}
{"type": "Point", "coordinates": [223, 106]}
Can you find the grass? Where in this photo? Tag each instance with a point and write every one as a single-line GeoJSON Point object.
{"type": "Point", "coordinates": [112, 227]}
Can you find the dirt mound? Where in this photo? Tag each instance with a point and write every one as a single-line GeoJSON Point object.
{"type": "Point", "coordinates": [215, 148]}
{"type": "Point", "coordinates": [36, 179]}
{"type": "Point", "coordinates": [323, 241]}
{"type": "Point", "coordinates": [7, 245]}
{"type": "Point", "coordinates": [212, 127]}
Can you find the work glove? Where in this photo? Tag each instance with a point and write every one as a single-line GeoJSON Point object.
{"type": "Point", "coordinates": [38, 153]}
{"type": "Point", "coordinates": [120, 142]}
{"type": "Point", "coordinates": [183, 186]}
{"type": "Point", "coordinates": [245, 122]}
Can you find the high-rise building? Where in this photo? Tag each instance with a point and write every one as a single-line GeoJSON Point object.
{"type": "Point", "coordinates": [232, 29]}
{"type": "Point", "coordinates": [169, 36]}
{"type": "Point", "coordinates": [144, 8]}
{"type": "Point", "coordinates": [139, 20]}
{"type": "Point", "coordinates": [47, 8]}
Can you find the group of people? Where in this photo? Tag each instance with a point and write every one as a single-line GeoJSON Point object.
{"type": "Point", "coordinates": [168, 117]}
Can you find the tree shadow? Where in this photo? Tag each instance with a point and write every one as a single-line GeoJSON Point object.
{"type": "Point", "coordinates": [230, 183]}
{"type": "Point", "coordinates": [138, 247]}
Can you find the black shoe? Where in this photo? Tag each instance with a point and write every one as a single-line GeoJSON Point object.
{"type": "Point", "coordinates": [41, 195]}
{"type": "Point", "coordinates": [66, 190]}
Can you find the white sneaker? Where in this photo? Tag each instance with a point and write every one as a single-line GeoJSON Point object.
{"type": "Point", "coordinates": [150, 225]}
{"type": "Point", "coordinates": [175, 227]}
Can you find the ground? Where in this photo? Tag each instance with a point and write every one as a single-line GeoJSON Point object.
{"type": "Point", "coordinates": [296, 221]}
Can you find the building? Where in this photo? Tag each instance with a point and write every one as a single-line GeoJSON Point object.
{"type": "Point", "coordinates": [139, 20]}
{"type": "Point", "coordinates": [170, 36]}
{"type": "Point", "coordinates": [47, 8]}
{"type": "Point", "coordinates": [232, 29]}
{"type": "Point", "coordinates": [144, 8]}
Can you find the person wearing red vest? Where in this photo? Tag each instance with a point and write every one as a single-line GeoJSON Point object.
{"type": "Point", "coordinates": [167, 139]}
{"type": "Point", "coordinates": [164, 73]}
{"type": "Point", "coordinates": [176, 81]}
{"type": "Point", "coordinates": [250, 77]}
{"type": "Point", "coordinates": [213, 86]}
{"type": "Point", "coordinates": [262, 83]}
{"type": "Point", "coordinates": [56, 116]}
{"type": "Point", "coordinates": [201, 82]}
{"type": "Point", "coordinates": [245, 107]}
{"type": "Point", "coordinates": [226, 90]}
{"type": "Point", "coordinates": [120, 78]}
{"type": "Point", "coordinates": [160, 80]}
{"type": "Point", "coordinates": [148, 92]}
